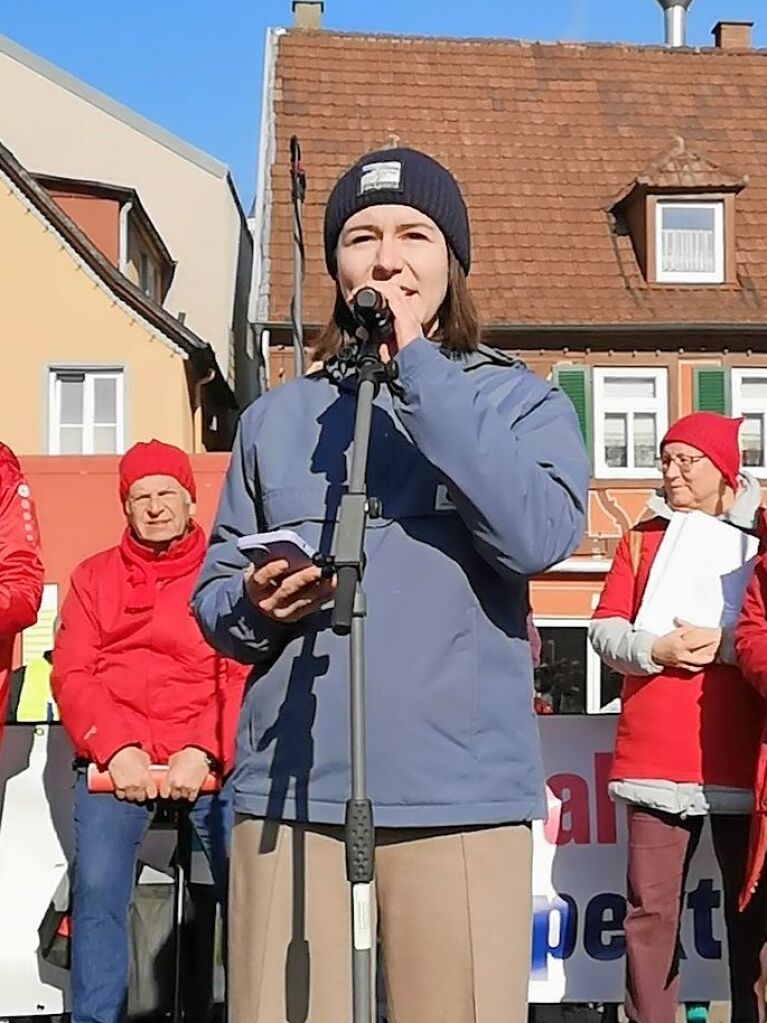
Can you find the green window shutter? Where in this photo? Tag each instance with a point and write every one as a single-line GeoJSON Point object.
{"type": "Point", "coordinates": [711, 389]}
{"type": "Point", "coordinates": [575, 382]}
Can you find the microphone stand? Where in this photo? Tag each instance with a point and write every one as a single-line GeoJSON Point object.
{"type": "Point", "coordinates": [348, 619]}
{"type": "Point", "coordinates": [297, 195]}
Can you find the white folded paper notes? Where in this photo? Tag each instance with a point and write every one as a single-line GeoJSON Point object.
{"type": "Point", "coordinates": [699, 575]}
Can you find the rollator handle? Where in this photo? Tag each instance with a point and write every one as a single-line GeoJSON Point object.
{"type": "Point", "coordinates": [101, 781]}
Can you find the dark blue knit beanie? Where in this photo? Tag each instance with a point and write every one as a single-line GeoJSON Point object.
{"type": "Point", "coordinates": [403, 177]}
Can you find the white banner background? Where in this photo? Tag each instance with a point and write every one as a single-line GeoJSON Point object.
{"type": "Point", "coordinates": [579, 880]}
{"type": "Point", "coordinates": [578, 874]}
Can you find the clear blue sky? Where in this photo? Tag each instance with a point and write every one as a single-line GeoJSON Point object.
{"type": "Point", "coordinates": [194, 66]}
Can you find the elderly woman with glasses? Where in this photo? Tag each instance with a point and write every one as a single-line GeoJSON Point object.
{"type": "Point", "coordinates": [688, 732]}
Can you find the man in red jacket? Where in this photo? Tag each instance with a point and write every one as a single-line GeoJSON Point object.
{"type": "Point", "coordinates": [21, 571]}
{"type": "Point", "coordinates": [137, 685]}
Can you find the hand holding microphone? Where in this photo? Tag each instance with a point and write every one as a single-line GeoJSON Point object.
{"type": "Point", "coordinates": [371, 311]}
{"type": "Point", "coordinates": [383, 311]}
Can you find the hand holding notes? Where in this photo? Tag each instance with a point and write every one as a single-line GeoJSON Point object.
{"type": "Point", "coordinates": [287, 596]}
{"type": "Point", "coordinates": [282, 581]}
{"type": "Point", "coordinates": [688, 648]}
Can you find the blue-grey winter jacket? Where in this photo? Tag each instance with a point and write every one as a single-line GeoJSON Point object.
{"type": "Point", "coordinates": [483, 481]}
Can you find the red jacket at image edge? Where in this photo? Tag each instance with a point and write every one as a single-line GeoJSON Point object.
{"type": "Point", "coordinates": [21, 570]}
{"type": "Point", "coordinates": [751, 650]}
{"type": "Point", "coordinates": [130, 665]}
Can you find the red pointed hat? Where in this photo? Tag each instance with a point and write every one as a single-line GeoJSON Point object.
{"type": "Point", "coordinates": [156, 459]}
{"type": "Point", "coordinates": [714, 436]}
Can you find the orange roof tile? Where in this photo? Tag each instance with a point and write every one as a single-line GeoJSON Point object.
{"type": "Point", "coordinates": [542, 138]}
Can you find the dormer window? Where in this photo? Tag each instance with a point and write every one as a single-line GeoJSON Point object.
{"type": "Point", "coordinates": [680, 215]}
{"type": "Point", "coordinates": [689, 242]}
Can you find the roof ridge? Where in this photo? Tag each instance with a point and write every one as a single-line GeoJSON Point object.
{"type": "Point", "coordinates": [671, 51]}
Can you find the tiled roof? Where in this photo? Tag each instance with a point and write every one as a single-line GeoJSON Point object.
{"type": "Point", "coordinates": [543, 138]}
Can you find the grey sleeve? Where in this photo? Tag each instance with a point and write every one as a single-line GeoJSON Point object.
{"type": "Point", "coordinates": [228, 619]}
{"type": "Point", "coordinates": [622, 647]}
{"type": "Point", "coordinates": [510, 449]}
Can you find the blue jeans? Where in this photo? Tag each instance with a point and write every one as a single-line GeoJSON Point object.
{"type": "Point", "coordinates": [108, 833]}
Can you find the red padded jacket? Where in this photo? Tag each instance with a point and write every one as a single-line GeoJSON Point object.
{"type": "Point", "coordinates": [21, 570]}
{"type": "Point", "coordinates": [751, 650]}
{"type": "Point", "coordinates": [701, 728]}
{"type": "Point", "coordinates": [130, 665]}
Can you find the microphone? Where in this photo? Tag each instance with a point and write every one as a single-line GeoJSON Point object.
{"type": "Point", "coordinates": [371, 311]}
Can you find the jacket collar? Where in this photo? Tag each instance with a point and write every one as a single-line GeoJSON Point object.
{"type": "Point", "coordinates": [145, 568]}
{"type": "Point", "coordinates": [135, 551]}
{"type": "Point", "coordinates": [345, 377]}
{"type": "Point", "coordinates": [743, 513]}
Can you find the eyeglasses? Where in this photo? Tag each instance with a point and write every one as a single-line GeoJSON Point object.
{"type": "Point", "coordinates": [684, 463]}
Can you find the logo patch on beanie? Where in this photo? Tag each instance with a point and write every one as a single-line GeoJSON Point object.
{"type": "Point", "coordinates": [381, 177]}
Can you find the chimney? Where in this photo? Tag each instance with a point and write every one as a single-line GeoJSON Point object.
{"type": "Point", "coordinates": [676, 14]}
{"type": "Point", "coordinates": [732, 35]}
{"type": "Point", "coordinates": [308, 13]}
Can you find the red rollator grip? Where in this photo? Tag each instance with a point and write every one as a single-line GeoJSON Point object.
{"type": "Point", "coordinates": [101, 781]}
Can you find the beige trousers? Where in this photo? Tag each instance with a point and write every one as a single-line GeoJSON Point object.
{"type": "Point", "coordinates": [454, 916]}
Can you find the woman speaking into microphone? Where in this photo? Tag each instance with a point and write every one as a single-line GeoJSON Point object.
{"type": "Point", "coordinates": [482, 481]}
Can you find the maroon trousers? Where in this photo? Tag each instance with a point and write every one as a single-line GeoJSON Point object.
{"type": "Point", "coordinates": [660, 848]}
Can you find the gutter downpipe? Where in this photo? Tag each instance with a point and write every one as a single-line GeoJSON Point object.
{"type": "Point", "coordinates": [122, 238]}
{"type": "Point", "coordinates": [197, 445]}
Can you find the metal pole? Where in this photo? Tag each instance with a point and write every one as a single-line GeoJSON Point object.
{"type": "Point", "coordinates": [675, 16]}
{"type": "Point", "coordinates": [349, 613]}
{"type": "Point", "coordinates": [675, 26]}
{"type": "Point", "coordinates": [360, 828]}
{"type": "Point", "coordinates": [298, 194]}
{"type": "Point", "coordinates": [181, 879]}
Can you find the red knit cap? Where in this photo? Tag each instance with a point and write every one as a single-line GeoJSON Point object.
{"type": "Point", "coordinates": [714, 436]}
{"type": "Point", "coordinates": [156, 459]}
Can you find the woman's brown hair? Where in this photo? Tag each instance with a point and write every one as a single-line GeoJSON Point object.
{"type": "Point", "coordinates": [458, 321]}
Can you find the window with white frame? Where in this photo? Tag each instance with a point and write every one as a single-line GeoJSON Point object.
{"type": "Point", "coordinates": [630, 417]}
{"type": "Point", "coordinates": [570, 676]}
{"type": "Point", "coordinates": [147, 275]}
{"type": "Point", "coordinates": [689, 242]}
{"type": "Point", "coordinates": [86, 412]}
{"type": "Point", "coordinates": [605, 690]}
{"type": "Point", "coordinates": [749, 399]}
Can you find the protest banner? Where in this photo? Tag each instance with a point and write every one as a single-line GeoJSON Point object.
{"type": "Point", "coordinates": [578, 947]}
